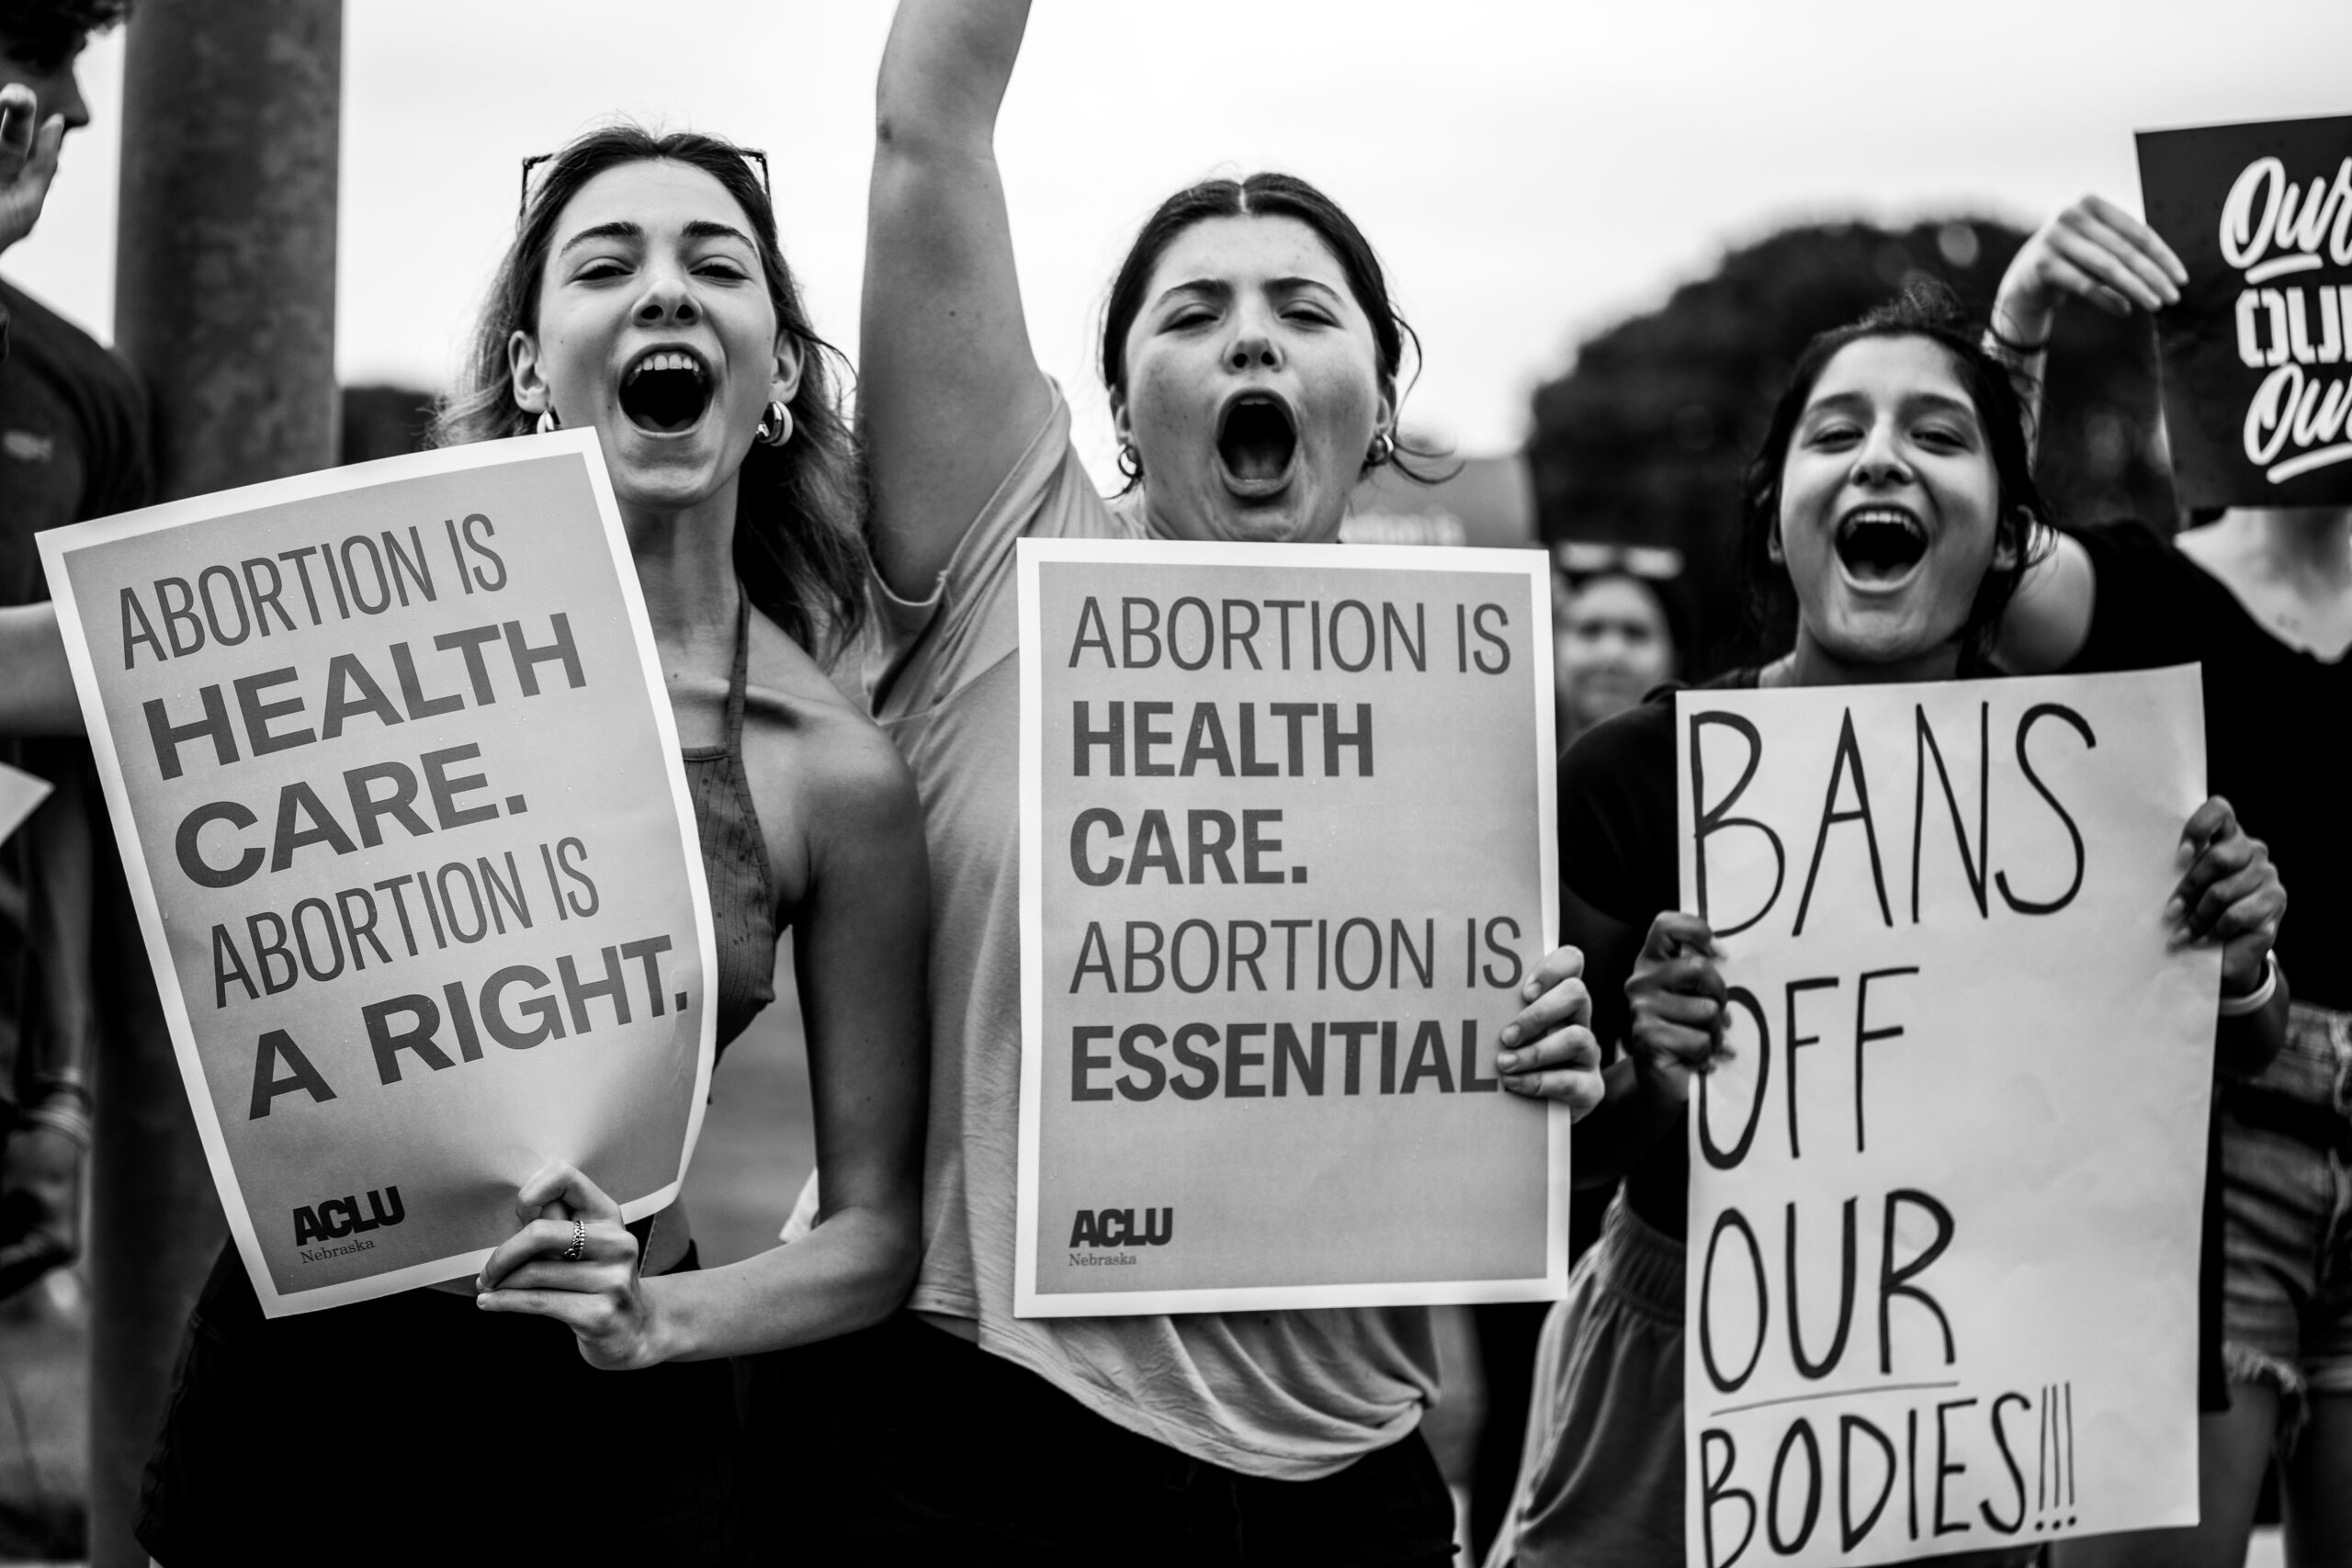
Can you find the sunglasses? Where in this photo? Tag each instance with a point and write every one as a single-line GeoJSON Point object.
{"type": "Point", "coordinates": [1594, 557]}
{"type": "Point", "coordinates": [750, 155]}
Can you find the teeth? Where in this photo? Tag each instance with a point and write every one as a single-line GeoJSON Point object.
{"type": "Point", "coordinates": [667, 360]}
{"type": "Point", "coordinates": [1887, 519]}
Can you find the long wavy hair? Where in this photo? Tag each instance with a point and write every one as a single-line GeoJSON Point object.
{"type": "Point", "coordinates": [1929, 310]}
{"type": "Point", "coordinates": [800, 515]}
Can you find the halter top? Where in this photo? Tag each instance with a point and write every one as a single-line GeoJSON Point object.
{"type": "Point", "coordinates": [734, 859]}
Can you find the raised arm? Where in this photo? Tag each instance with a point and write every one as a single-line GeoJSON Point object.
{"type": "Point", "coordinates": [949, 389]}
{"type": "Point", "coordinates": [36, 683]}
{"type": "Point", "coordinates": [2092, 251]}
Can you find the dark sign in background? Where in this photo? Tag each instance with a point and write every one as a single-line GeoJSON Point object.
{"type": "Point", "coordinates": [2257, 357]}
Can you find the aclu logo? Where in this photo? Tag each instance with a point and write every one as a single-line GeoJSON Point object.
{"type": "Point", "coordinates": [1116, 1227]}
{"type": "Point", "coordinates": [340, 1217]}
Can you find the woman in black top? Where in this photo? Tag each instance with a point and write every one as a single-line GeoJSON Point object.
{"type": "Point", "coordinates": [644, 295]}
{"type": "Point", "coordinates": [2262, 599]}
{"type": "Point", "coordinates": [1901, 416]}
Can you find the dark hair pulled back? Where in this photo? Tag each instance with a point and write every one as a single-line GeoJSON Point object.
{"type": "Point", "coordinates": [1923, 310]}
{"type": "Point", "coordinates": [799, 549]}
{"type": "Point", "coordinates": [1267, 195]}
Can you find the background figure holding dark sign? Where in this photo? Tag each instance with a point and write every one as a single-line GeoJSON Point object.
{"type": "Point", "coordinates": [2257, 348]}
{"type": "Point", "coordinates": [1900, 416]}
{"type": "Point", "coordinates": [2262, 598]}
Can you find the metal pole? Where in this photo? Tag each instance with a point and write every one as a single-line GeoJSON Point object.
{"type": "Point", "coordinates": [224, 299]}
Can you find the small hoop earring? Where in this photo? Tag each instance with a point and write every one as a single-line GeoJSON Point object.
{"type": "Point", "coordinates": [775, 425]}
{"type": "Point", "coordinates": [1130, 460]}
{"type": "Point", "coordinates": [1382, 448]}
{"type": "Point", "coordinates": [548, 424]}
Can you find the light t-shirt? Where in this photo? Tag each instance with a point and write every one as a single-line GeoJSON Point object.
{"type": "Point", "coordinates": [1292, 1395]}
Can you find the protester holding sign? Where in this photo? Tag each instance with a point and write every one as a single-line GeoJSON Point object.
{"type": "Point", "coordinates": [644, 296]}
{"type": "Point", "coordinates": [1252, 356]}
{"type": "Point", "coordinates": [1889, 516]}
{"type": "Point", "coordinates": [2261, 596]}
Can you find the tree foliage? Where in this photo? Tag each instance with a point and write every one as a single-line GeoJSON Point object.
{"type": "Point", "coordinates": [1644, 439]}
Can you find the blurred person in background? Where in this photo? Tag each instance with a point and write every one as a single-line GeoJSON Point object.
{"type": "Point", "coordinates": [1617, 630]}
{"type": "Point", "coordinates": [74, 444]}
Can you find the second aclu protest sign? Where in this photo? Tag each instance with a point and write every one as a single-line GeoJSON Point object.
{"type": "Point", "coordinates": [2257, 355]}
{"type": "Point", "coordinates": [396, 786]}
{"type": "Point", "coordinates": [1945, 1193]}
{"type": "Point", "coordinates": [1287, 862]}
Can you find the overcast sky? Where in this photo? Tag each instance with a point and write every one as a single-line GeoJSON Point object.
{"type": "Point", "coordinates": [1530, 171]}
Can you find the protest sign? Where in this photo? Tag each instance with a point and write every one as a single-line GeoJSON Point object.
{"type": "Point", "coordinates": [2257, 355]}
{"type": "Point", "coordinates": [20, 796]}
{"type": "Point", "coordinates": [1945, 1194]}
{"type": "Point", "coordinates": [1287, 857]}
{"type": "Point", "coordinates": [397, 787]}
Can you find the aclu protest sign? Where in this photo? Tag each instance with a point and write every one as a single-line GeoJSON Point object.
{"type": "Point", "coordinates": [2257, 355]}
{"type": "Point", "coordinates": [1945, 1193]}
{"type": "Point", "coordinates": [396, 782]}
{"type": "Point", "coordinates": [1287, 857]}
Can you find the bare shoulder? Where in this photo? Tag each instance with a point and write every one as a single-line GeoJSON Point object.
{"type": "Point", "coordinates": [839, 763]}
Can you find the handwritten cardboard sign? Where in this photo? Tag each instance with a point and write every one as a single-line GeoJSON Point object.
{"type": "Point", "coordinates": [1945, 1196]}
{"type": "Point", "coordinates": [397, 788]}
{"type": "Point", "coordinates": [1286, 857]}
{"type": "Point", "coordinates": [2257, 355]}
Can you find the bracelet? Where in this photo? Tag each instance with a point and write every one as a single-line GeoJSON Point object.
{"type": "Point", "coordinates": [2257, 999]}
{"type": "Point", "coordinates": [2018, 345]}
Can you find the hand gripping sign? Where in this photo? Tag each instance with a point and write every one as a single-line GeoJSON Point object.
{"type": "Point", "coordinates": [1945, 1195]}
{"type": "Point", "coordinates": [1286, 859]}
{"type": "Point", "coordinates": [2257, 357]}
{"type": "Point", "coordinates": [397, 788]}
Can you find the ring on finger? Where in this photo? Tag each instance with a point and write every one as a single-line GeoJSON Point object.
{"type": "Point", "coordinates": [579, 1247]}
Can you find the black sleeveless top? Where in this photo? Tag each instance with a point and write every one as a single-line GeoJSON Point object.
{"type": "Point", "coordinates": [734, 860]}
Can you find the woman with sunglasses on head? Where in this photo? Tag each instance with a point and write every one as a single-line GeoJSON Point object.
{"type": "Point", "coordinates": [1252, 355]}
{"type": "Point", "coordinates": [2261, 597]}
{"type": "Point", "coordinates": [1901, 413]}
{"type": "Point", "coordinates": [1617, 630]}
{"type": "Point", "coordinates": [644, 296]}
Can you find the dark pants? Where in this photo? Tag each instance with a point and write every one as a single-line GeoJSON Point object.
{"type": "Point", "coordinates": [939, 1452]}
{"type": "Point", "coordinates": [418, 1429]}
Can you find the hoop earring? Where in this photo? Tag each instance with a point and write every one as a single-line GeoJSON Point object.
{"type": "Point", "coordinates": [548, 424]}
{"type": "Point", "coordinates": [775, 424]}
{"type": "Point", "coordinates": [1382, 448]}
{"type": "Point", "coordinates": [1130, 460]}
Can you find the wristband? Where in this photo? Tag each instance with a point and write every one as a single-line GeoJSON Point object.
{"type": "Point", "coordinates": [2257, 999]}
{"type": "Point", "coordinates": [2017, 346]}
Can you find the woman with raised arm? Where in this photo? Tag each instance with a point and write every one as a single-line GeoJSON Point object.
{"type": "Point", "coordinates": [2261, 598]}
{"type": "Point", "coordinates": [1252, 355]}
{"type": "Point", "coordinates": [644, 296]}
{"type": "Point", "coordinates": [1889, 515]}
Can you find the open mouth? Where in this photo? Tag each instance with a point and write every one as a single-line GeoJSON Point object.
{"type": "Point", "coordinates": [1879, 544]}
{"type": "Point", "coordinates": [665, 391]}
{"type": "Point", "coordinates": [1257, 440]}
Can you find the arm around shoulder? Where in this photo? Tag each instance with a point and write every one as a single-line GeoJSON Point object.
{"type": "Point", "coordinates": [2048, 621]}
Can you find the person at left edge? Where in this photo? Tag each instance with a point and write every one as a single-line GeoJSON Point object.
{"type": "Point", "coordinates": [72, 446]}
{"type": "Point", "coordinates": [644, 295]}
